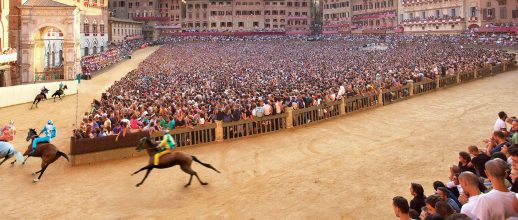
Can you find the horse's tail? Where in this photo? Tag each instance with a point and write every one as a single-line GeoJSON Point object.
{"type": "Point", "coordinates": [19, 157]}
{"type": "Point", "coordinates": [63, 155]}
{"type": "Point", "coordinates": [204, 164]}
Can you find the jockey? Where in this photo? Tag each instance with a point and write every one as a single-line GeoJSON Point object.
{"type": "Point", "coordinates": [61, 86]}
{"type": "Point", "coordinates": [164, 147]}
{"type": "Point", "coordinates": [50, 132]}
{"type": "Point", "coordinates": [8, 132]}
{"type": "Point", "coordinates": [43, 92]}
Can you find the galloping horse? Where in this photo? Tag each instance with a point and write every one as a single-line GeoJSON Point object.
{"type": "Point", "coordinates": [40, 97]}
{"type": "Point", "coordinates": [48, 153]}
{"type": "Point", "coordinates": [59, 92]}
{"type": "Point", "coordinates": [7, 151]}
{"type": "Point", "coordinates": [169, 160]}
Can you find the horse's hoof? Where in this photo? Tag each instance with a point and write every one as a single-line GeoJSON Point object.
{"type": "Point", "coordinates": [35, 180]}
{"type": "Point", "coordinates": [204, 184]}
{"type": "Point", "coordinates": [33, 174]}
{"type": "Point", "coordinates": [187, 185]}
{"type": "Point", "coordinates": [138, 185]}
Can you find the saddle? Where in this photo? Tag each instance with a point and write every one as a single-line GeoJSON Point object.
{"type": "Point", "coordinates": [43, 142]}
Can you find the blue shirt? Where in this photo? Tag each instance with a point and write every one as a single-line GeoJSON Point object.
{"type": "Point", "coordinates": [499, 147]}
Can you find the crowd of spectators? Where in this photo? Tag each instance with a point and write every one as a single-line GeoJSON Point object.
{"type": "Point", "coordinates": [196, 81]}
{"type": "Point", "coordinates": [113, 54]}
{"type": "Point", "coordinates": [8, 51]}
{"type": "Point", "coordinates": [482, 185]}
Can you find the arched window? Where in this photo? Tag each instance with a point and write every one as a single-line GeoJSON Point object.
{"type": "Point", "coordinates": [48, 59]}
{"type": "Point", "coordinates": [94, 27]}
{"type": "Point", "coordinates": [60, 57]}
{"type": "Point", "coordinates": [53, 59]}
{"type": "Point", "coordinates": [86, 27]}
{"type": "Point", "coordinates": [86, 51]}
{"type": "Point", "coordinates": [102, 48]}
{"type": "Point", "coordinates": [95, 50]}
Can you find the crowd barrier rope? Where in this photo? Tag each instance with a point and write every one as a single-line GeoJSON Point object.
{"type": "Point", "coordinates": [224, 131]}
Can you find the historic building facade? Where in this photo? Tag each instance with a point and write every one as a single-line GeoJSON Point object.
{"type": "Point", "coordinates": [55, 34]}
{"type": "Point", "coordinates": [337, 16]}
{"type": "Point", "coordinates": [120, 30]}
{"type": "Point", "coordinates": [434, 16]}
{"type": "Point", "coordinates": [374, 16]}
{"type": "Point", "coordinates": [494, 12]}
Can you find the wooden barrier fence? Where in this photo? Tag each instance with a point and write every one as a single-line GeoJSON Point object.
{"type": "Point", "coordinates": [394, 95]}
{"type": "Point", "coordinates": [85, 151]}
{"type": "Point", "coordinates": [363, 102]}
{"type": "Point", "coordinates": [316, 113]}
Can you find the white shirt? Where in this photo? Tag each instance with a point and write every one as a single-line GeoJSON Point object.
{"type": "Point", "coordinates": [267, 109]}
{"type": "Point", "coordinates": [341, 91]}
{"type": "Point", "coordinates": [495, 205]}
{"type": "Point", "coordinates": [468, 207]}
{"type": "Point", "coordinates": [499, 124]}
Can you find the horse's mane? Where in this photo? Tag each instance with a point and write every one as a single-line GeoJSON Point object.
{"type": "Point", "coordinates": [150, 142]}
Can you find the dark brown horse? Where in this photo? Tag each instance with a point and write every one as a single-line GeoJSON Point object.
{"type": "Point", "coordinates": [59, 93]}
{"type": "Point", "coordinates": [48, 153]}
{"type": "Point", "coordinates": [169, 160]}
{"type": "Point", "coordinates": [40, 97]}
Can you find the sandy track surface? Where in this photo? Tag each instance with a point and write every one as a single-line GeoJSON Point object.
{"type": "Point", "coordinates": [347, 168]}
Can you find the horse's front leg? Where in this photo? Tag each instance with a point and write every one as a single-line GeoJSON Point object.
{"type": "Point", "coordinates": [143, 168]}
{"type": "Point", "coordinates": [145, 177]}
{"type": "Point", "coordinates": [23, 163]}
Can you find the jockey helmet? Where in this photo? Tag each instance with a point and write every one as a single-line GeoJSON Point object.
{"type": "Point", "coordinates": [50, 122]}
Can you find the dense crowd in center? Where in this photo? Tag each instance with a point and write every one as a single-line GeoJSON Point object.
{"type": "Point", "coordinates": [196, 81]}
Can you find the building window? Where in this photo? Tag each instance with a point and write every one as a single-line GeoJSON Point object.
{"type": "Point", "coordinates": [101, 28]}
{"type": "Point", "coordinates": [150, 3]}
{"type": "Point", "coordinates": [473, 12]}
{"type": "Point", "coordinates": [452, 12]}
{"type": "Point", "coordinates": [86, 51]}
{"type": "Point", "coordinates": [94, 28]}
{"type": "Point", "coordinates": [503, 13]}
{"type": "Point", "coordinates": [241, 24]}
{"type": "Point", "coordinates": [86, 28]}
{"type": "Point", "coordinates": [437, 14]}
{"type": "Point", "coordinates": [130, 5]}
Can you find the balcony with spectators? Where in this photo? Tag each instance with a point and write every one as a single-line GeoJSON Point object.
{"type": "Point", "coordinates": [151, 18]}
{"type": "Point", "coordinates": [8, 56]}
{"type": "Point", "coordinates": [407, 3]}
{"type": "Point", "coordinates": [433, 20]}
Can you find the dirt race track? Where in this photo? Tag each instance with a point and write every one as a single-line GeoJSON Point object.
{"type": "Point", "coordinates": [347, 168]}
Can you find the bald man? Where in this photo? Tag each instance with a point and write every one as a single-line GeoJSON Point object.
{"type": "Point", "coordinates": [498, 203]}
{"type": "Point", "coordinates": [469, 183]}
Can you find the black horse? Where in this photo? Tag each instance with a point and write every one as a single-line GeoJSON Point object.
{"type": "Point", "coordinates": [59, 93]}
{"type": "Point", "coordinates": [40, 97]}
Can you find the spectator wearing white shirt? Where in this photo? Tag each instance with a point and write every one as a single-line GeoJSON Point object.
{"type": "Point", "coordinates": [500, 123]}
{"type": "Point", "coordinates": [267, 108]}
{"type": "Point", "coordinates": [471, 192]}
{"type": "Point", "coordinates": [497, 203]}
